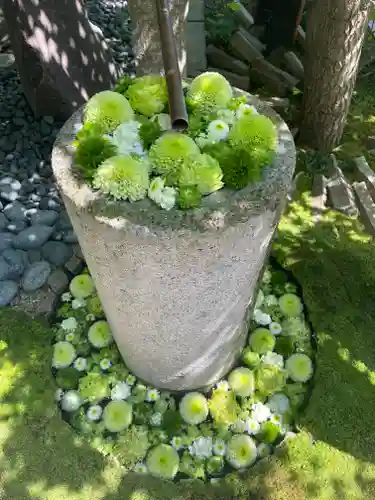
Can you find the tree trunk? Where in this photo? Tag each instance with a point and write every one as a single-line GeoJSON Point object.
{"type": "Point", "coordinates": [146, 40]}
{"type": "Point", "coordinates": [335, 33]}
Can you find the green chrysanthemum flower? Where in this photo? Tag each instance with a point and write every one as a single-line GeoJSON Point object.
{"type": "Point", "coordinates": [209, 92]}
{"type": "Point", "coordinates": [108, 109]}
{"type": "Point", "coordinates": [82, 286]}
{"type": "Point", "coordinates": [202, 171]}
{"type": "Point", "coordinates": [241, 381]}
{"type": "Point", "coordinates": [270, 379]}
{"type": "Point", "coordinates": [90, 153]}
{"type": "Point", "coordinates": [117, 416]}
{"type": "Point", "coordinates": [262, 341]}
{"type": "Point", "coordinates": [189, 197]}
{"type": "Point", "coordinates": [215, 465]}
{"type": "Point", "coordinates": [148, 94]}
{"type": "Point", "coordinates": [290, 305]}
{"type": "Point", "coordinates": [269, 432]}
{"type": "Point", "coordinates": [169, 152]}
{"type": "Point", "coordinates": [123, 177]}
{"type": "Point", "coordinates": [241, 451]}
{"type": "Point", "coordinates": [250, 358]}
{"type": "Point", "coordinates": [100, 334]}
{"type": "Point", "coordinates": [94, 306]}
{"type": "Point", "coordinates": [299, 367]}
{"type": "Point", "coordinates": [257, 135]}
{"type": "Point", "coordinates": [223, 407]}
{"type": "Point", "coordinates": [63, 354]}
{"type": "Point", "coordinates": [163, 461]}
{"type": "Point", "coordinates": [194, 408]}
{"type": "Point", "coordinates": [94, 387]}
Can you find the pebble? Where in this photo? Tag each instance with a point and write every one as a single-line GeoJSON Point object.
{"type": "Point", "coordinates": [70, 237]}
{"type": "Point", "coordinates": [36, 276]}
{"type": "Point", "coordinates": [8, 290]}
{"type": "Point", "coordinates": [32, 237]}
{"type": "Point", "coordinates": [57, 252]}
{"type": "Point", "coordinates": [3, 221]}
{"type": "Point", "coordinates": [47, 217]}
{"type": "Point", "coordinates": [6, 240]}
{"type": "Point", "coordinates": [17, 226]}
{"type": "Point", "coordinates": [7, 272]}
{"type": "Point", "coordinates": [17, 259]}
{"type": "Point", "coordinates": [16, 211]}
{"type": "Point", "coordinates": [34, 256]}
{"type": "Point", "coordinates": [58, 281]}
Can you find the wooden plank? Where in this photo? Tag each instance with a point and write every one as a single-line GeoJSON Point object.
{"type": "Point", "coordinates": [294, 65]}
{"type": "Point", "coordinates": [239, 81]}
{"type": "Point", "coordinates": [366, 206]}
{"type": "Point", "coordinates": [220, 59]}
{"type": "Point", "coordinates": [365, 174]}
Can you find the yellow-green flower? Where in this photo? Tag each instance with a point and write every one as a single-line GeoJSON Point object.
{"type": "Point", "coordinates": [108, 110]}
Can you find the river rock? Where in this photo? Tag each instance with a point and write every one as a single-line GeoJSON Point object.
{"type": "Point", "coordinates": [32, 237]}
{"type": "Point", "coordinates": [57, 252]}
{"type": "Point", "coordinates": [16, 211]}
{"type": "Point", "coordinates": [47, 217]}
{"type": "Point", "coordinates": [8, 290]}
{"type": "Point", "coordinates": [36, 276]}
{"type": "Point", "coordinates": [6, 240]}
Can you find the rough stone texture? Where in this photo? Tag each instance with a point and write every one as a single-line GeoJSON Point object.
{"type": "Point", "coordinates": [74, 265]}
{"type": "Point", "coordinates": [219, 58]}
{"type": "Point", "coordinates": [196, 38]}
{"type": "Point", "coordinates": [146, 40]}
{"type": "Point", "coordinates": [61, 60]}
{"type": "Point", "coordinates": [366, 206]}
{"type": "Point", "coordinates": [58, 281]}
{"type": "Point", "coordinates": [366, 174]}
{"type": "Point", "coordinates": [36, 276]}
{"type": "Point", "coordinates": [42, 302]}
{"type": "Point", "coordinates": [318, 196]}
{"type": "Point", "coordinates": [341, 195]}
{"type": "Point", "coordinates": [177, 287]}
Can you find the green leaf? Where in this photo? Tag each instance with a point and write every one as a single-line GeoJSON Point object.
{"type": "Point", "coordinates": [234, 6]}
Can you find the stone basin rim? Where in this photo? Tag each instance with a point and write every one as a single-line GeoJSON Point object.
{"type": "Point", "coordinates": [219, 210]}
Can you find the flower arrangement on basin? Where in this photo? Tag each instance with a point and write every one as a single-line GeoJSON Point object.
{"type": "Point", "coordinates": [198, 434]}
{"type": "Point", "coordinates": [127, 150]}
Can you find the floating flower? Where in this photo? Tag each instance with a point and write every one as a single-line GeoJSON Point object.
{"type": "Point", "coordinates": [203, 171]}
{"type": "Point", "coordinates": [168, 198]}
{"type": "Point", "coordinates": [250, 358]}
{"type": "Point", "coordinates": [201, 447]}
{"type": "Point", "coordinates": [264, 450]}
{"type": "Point", "coordinates": [260, 412]}
{"type": "Point", "coordinates": [94, 387]}
{"type": "Point", "coordinates": [117, 416]}
{"type": "Point", "coordinates": [273, 359]}
{"type": "Point", "coordinates": [270, 379]}
{"type": "Point", "coordinates": [241, 381]}
{"type": "Point", "coordinates": [126, 138]}
{"type": "Point", "coordinates": [275, 328]}
{"type": "Point", "coordinates": [80, 364]}
{"type": "Point", "coordinates": [241, 451]}
{"type": "Point", "coordinates": [217, 130]}
{"type": "Point", "coordinates": [276, 419]}
{"type": "Point", "coordinates": [69, 337]}
{"type": "Point", "coordinates": [246, 110]}
{"type": "Point", "coordinates": [262, 341]}
{"type": "Point", "coordinates": [148, 94]}
{"type": "Point", "coordinates": [238, 427]}
{"type": "Point", "coordinates": [130, 380]}
{"type": "Point", "coordinates": [82, 286]}
{"type": "Point", "coordinates": [189, 197]}
{"type": "Point", "coordinates": [105, 364]}
{"type": "Point", "coordinates": [163, 461]}
{"type": "Point", "coordinates": [58, 395]}
{"type": "Point", "coordinates": [152, 395]}
{"type": "Point", "coordinates": [215, 464]}
{"type": "Point", "coordinates": [155, 189]}
{"type": "Point", "coordinates": [164, 121]}
{"type": "Point", "coordinates": [177, 443]}
{"type": "Point", "coordinates": [66, 297]}
{"type": "Point", "coordinates": [70, 401]}
{"type": "Point", "coordinates": [120, 391]}
{"type": "Point", "coordinates": [290, 304]}
{"type": "Point", "coordinates": [261, 318]}
{"type": "Point", "coordinates": [194, 408]}
{"type": "Point", "coordinates": [299, 367]}
{"type": "Point", "coordinates": [90, 317]}
{"type": "Point", "coordinates": [223, 407]}
{"type": "Point", "coordinates": [269, 432]}
{"type": "Point", "coordinates": [279, 403]}
{"type": "Point", "coordinates": [208, 92]}
{"type": "Point", "coordinates": [94, 413]}
{"type": "Point", "coordinates": [140, 468]}
{"type": "Point", "coordinates": [99, 334]}
{"type": "Point", "coordinates": [226, 115]}
{"type": "Point", "coordinates": [223, 385]}
{"type": "Point", "coordinates": [108, 109]}
{"type": "Point", "coordinates": [271, 301]}
{"type": "Point", "coordinates": [63, 354]}
{"type": "Point", "coordinates": [219, 447]}
{"type": "Point", "coordinates": [254, 133]}
{"type": "Point", "coordinates": [69, 324]}
{"type": "Point", "coordinates": [252, 426]}
{"type": "Point", "coordinates": [78, 303]}
{"type": "Point", "coordinates": [156, 419]}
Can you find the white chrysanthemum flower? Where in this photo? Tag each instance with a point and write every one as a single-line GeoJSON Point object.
{"type": "Point", "coordinates": [219, 447]}
{"type": "Point", "coordinates": [202, 140]}
{"type": "Point", "coordinates": [259, 299]}
{"type": "Point", "coordinates": [239, 427]}
{"type": "Point", "coordinates": [156, 419]}
{"type": "Point", "coordinates": [155, 189]}
{"type": "Point", "coordinates": [164, 121]}
{"type": "Point", "coordinates": [261, 318]}
{"type": "Point", "coordinates": [275, 328]}
{"type": "Point", "coordinates": [66, 297]}
{"type": "Point", "coordinates": [152, 395]}
{"type": "Point", "coordinates": [264, 450]}
{"type": "Point", "coordinates": [246, 110]}
{"type": "Point", "coordinates": [177, 443]}
{"type": "Point", "coordinates": [260, 412]}
{"type": "Point", "coordinates": [223, 385]}
{"type": "Point", "coordinates": [226, 115]}
{"type": "Point", "coordinates": [193, 408]}
{"type": "Point", "coordinates": [168, 198]}
{"type": "Point", "coordinates": [78, 303]}
{"type": "Point", "coordinates": [71, 401]}
{"type": "Point", "coordinates": [94, 413]}
{"type": "Point", "coordinates": [140, 468]}
{"type": "Point", "coordinates": [130, 380]}
{"type": "Point", "coordinates": [252, 426]}
{"type": "Point", "coordinates": [69, 337]}
{"type": "Point", "coordinates": [277, 419]}
{"type": "Point", "coordinates": [278, 403]}
{"type": "Point", "coordinates": [69, 324]}
{"type": "Point", "coordinates": [126, 137]}
{"type": "Point", "coordinates": [217, 130]}
{"type": "Point", "coordinates": [80, 364]}
{"type": "Point", "coordinates": [201, 447]}
{"type": "Point", "coordinates": [105, 364]}
{"type": "Point", "coordinates": [90, 317]}
{"type": "Point", "coordinates": [120, 391]}
{"type": "Point", "coordinates": [271, 301]}
{"type": "Point", "coordinates": [273, 359]}
{"type": "Point", "coordinates": [58, 395]}
{"type": "Point", "coordinates": [241, 451]}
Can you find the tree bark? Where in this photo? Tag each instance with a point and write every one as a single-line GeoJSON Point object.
{"type": "Point", "coordinates": [335, 33]}
{"type": "Point", "coordinates": [145, 37]}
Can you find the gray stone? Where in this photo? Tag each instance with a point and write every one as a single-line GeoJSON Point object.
{"type": "Point", "coordinates": [49, 204]}
{"type": "Point", "coordinates": [6, 61]}
{"type": "Point", "coordinates": [341, 196]}
{"type": "Point", "coordinates": [16, 226]}
{"type": "Point", "coordinates": [47, 217]}
{"type": "Point", "coordinates": [74, 265]}
{"type": "Point", "coordinates": [196, 48]}
{"type": "Point", "coordinates": [366, 206]}
{"type": "Point", "coordinates": [58, 281]}
{"type": "Point", "coordinates": [3, 221]}
{"type": "Point", "coordinates": [32, 237]}
{"type": "Point", "coordinates": [70, 237]}
{"type": "Point", "coordinates": [17, 259]}
{"type": "Point", "coordinates": [366, 174]}
{"type": "Point", "coordinates": [57, 252]}
{"type": "Point", "coordinates": [63, 222]}
{"type": "Point", "coordinates": [220, 59]}
{"type": "Point", "coordinates": [34, 255]}
{"type": "Point", "coordinates": [200, 297]}
{"type": "Point", "coordinates": [196, 10]}
{"type": "Point", "coordinates": [78, 252]}
{"type": "Point", "coordinates": [9, 194]}
{"type": "Point", "coordinates": [8, 290]}
{"type": "Point", "coordinates": [41, 303]}
{"type": "Point", "coordinates": [6, 240]}
{"type": "Point", "coordinates": [318, 196]}
{"type": "Point", "coordinates": [36, 276]}
{"type": "Point", "coordinates": [6, 271]}
{"type": "Point", "coordinates": [16, 211]}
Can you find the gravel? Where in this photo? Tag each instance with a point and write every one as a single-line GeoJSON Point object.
{"type": "Point", "coordinates": [37, 241]}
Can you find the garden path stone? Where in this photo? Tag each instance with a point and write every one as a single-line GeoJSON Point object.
{"type": "Point", "coordinates": [36, 276]}
{"type": "Point", "coordinates": [57, 252]}
{"type": "Point", "coordinates": [8, 291]}
{"type": "Point", "coordinates": [32, 237]}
